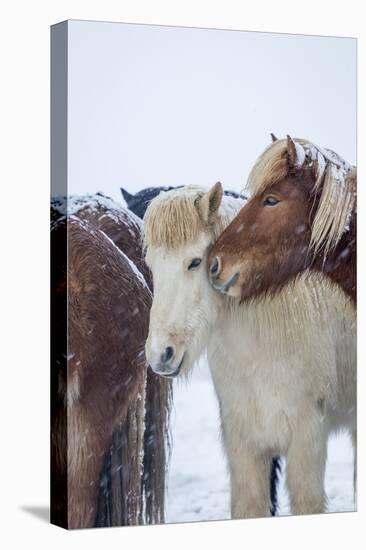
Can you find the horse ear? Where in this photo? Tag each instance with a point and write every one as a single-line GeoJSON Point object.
{"type": "Point", "coordinates": [126, 195]}
{"type": "Point", "coordinates": [273, 137]}
{"type": "Point", "coordinates": [210, 202]}
{"type": "Point", "coordinates": [296, 153]}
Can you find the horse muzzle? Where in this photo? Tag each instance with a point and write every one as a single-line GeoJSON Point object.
{"type": "Point", "coordinates": [166, 363]}
{"type": "Point", "coordinates": [225, 286]}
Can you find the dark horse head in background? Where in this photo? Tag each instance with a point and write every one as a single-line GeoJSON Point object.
{"type": "Point", "coordinates": [139, 201]}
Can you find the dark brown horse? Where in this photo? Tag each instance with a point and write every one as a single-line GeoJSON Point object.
{"type": "Point", "coordinates": [301, 215]}
{"type": "Point", "coordinates": [109, 414]}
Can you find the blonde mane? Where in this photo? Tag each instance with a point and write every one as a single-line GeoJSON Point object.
{"type": "Point", "coordinates": [173, 218]}
{"type": "Point", "coordinates": [270, 168]}
{"type": "Point", "coordinates": [310, 300]}
{"type": "Point", "coordinates": [334, 177]}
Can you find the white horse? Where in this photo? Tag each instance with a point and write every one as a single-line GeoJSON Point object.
{"type": "Point", "coordinates": [283, 367]}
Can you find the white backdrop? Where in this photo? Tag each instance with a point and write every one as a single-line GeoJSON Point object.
{"type": "Point", "coordinates": [24, 172]}
{"type": "Point", "coordinates": [152, 105]}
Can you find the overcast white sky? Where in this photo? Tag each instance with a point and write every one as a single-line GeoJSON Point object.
{"type": "Point", "coordinates": [151, 106]}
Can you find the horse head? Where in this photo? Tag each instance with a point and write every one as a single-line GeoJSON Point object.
{"type": "Point", "coordinates": [179, 228]}
{"type": "Point", "coordinates": [300, 202]}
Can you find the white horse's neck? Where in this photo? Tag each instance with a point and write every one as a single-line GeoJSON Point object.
{"type": "Point", "coordinates": [281, 325]}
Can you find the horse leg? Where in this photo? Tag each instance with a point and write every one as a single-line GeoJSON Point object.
{"type": "Point", "coordinates": [306, 461]}
{"type": "Point", "coordinates": [249, 478]}
{"type": "Point", "coordinates": [275, 472]}
{"type": "Point", "coordinates": [82, 492]}
{"type": "Point", "coordinates": [85, 460]}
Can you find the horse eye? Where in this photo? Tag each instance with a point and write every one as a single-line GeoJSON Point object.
{"type": "Point", "coordinates": [194, 263]}
{"type": "Point", "coordinates": [270, 201]}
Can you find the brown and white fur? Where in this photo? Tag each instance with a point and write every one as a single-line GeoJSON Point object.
{"type": "Point", "coordinates": [109, 414]}
{"type": "Point", "coordinates": [301, 215]}
{"type": "Point", "coordinates": [283, 368]}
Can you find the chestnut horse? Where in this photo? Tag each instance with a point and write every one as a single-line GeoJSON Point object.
{"type": "Point", "coordinates": [301, 215]}
{"type": "Point", "coordinates": [283, 367]}
{"type": "Point", "coordinates": [109, 414]}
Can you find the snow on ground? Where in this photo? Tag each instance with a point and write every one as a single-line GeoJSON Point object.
{"type": "Point", "coordinates": [198, 484]}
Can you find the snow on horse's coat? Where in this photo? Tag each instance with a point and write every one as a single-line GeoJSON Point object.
{"type": "Point", "coordinates": [283, 367]}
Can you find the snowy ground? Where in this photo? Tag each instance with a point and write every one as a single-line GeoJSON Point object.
{"type": "Point", "coordinates": [198, 486]}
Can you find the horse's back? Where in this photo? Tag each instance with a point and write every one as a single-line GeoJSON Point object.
{"type": "Point", "coordinates": [105, 376]}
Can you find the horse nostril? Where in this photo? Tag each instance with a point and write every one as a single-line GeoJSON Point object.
{"type": "Point", "coordinates": [167, 355]}
{"type": "Point", "coordinates": [231, 282]}
{"type": "Point", "coordinates": [215, 267]}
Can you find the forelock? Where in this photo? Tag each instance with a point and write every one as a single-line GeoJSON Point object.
{"type": "Point", "coordinates": [270, 168]}
{"type": "Point", "coordinates": [172, 218]}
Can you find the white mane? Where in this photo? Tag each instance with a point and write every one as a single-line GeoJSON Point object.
{"type": "Point", "coordinates": [173, 218]}
{"type": "Point", "coordinates": [337, 180]}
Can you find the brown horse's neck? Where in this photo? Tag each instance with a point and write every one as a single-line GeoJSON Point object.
{"type": "Point", "coordinates": [340, 265]}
